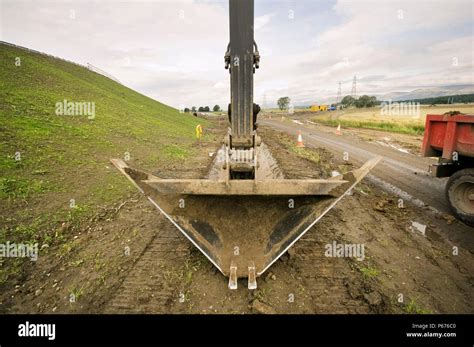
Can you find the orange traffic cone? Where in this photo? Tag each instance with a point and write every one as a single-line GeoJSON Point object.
{"type": "Point", "coordinates": [338, 130]}
{"type": "Point", "coordinates": [299, 142]}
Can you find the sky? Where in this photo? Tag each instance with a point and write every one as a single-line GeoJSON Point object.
{"type": "Point", "coordinates": [173, 50]}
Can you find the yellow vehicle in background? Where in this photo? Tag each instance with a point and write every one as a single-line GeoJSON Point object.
{"type": "Point", "coordinates": [317, 108]}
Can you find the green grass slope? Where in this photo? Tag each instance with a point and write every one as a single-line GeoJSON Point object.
{"type": "Point", "coordinates": [67, 157]}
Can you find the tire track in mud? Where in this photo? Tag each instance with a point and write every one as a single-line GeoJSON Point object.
{"type": "Point", "coordinates": [320, 284]}
{"type": "Point", "coordinates": [328, 280]}
{"type": "Point", "coordinates": [150, 286]}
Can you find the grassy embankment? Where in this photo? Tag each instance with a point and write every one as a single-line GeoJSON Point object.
{"type": "Point", "coordinates": [63, 157]}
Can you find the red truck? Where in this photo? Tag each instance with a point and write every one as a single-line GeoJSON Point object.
{"type": "Point", "coordinates": [450, 137]}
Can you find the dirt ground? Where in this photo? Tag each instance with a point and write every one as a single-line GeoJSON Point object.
{"type": "Point", "coordinates": [130, 259]}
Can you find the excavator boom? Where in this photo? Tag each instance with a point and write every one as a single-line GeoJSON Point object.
{"type": "Point", "coordinates": [241, 59]}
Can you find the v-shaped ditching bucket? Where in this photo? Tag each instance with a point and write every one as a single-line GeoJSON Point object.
{"type": "Point", "coordinates": [243, 226]}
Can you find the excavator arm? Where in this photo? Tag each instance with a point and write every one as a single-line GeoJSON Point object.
{"type": "Point", "coordinates": [242, 58]}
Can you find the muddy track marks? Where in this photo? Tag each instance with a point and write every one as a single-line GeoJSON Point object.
{"type": "Point", "coordinates": [149, 286]}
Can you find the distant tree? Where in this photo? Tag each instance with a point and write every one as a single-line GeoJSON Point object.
{"type": "Point", "coordinates": [216, 108]}
{"type": "Point", "coordinates": [186, 110]}
{"type": "Point", "coordinates": [372, 101]}
{"type": "Point", "coordinates": [283, 103]}
{"type": "Point", "coordinates": [361, 101]}
{"type": "Point", "coordinates": [206, 109]}
{"type": "Point", "coordinates": [201, 109]}
{"type": "Point", "coordinates": [366, 101]}
{"type": "Point", "coordinates": [193, 108]}
{"type": "Point", "coordinates": [348, 100]}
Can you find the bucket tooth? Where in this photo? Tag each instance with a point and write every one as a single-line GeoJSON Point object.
{"type": "Point", "coordinates": [233, 277]}
{"type": "Point", "coordinates": [252, 280]}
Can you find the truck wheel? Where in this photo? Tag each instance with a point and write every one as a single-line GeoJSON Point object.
{"type": "Point", "coordinates": [460, 195]}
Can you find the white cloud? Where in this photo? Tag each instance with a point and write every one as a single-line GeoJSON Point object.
{"type": "Point", "coordinates": [262, 21]}
{"type": "Point", "coordinates": [220, 85]}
